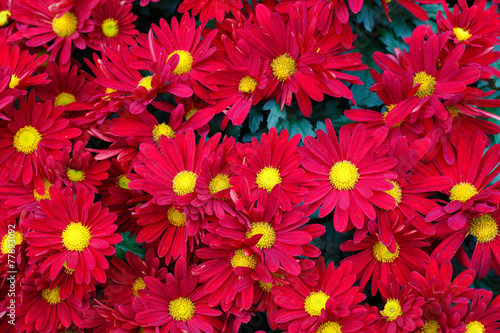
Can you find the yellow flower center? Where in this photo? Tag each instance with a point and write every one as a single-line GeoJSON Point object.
{"type": "Point", "coordinates": [461, 34]}
{"type": "Point", "coordinates": [8, 243]}
{"type": "Point", "coordinates": [315, 302]}
{"type": "Point", "coordinates": [108, 91]}
{"type": "Point", "coordinates": [46, 193]}
{"type": "Point", "coordinates": [343, 175]}
{"type": "Point", "coordinates": [185, 62]}
{"type": "Point", "coordinates": [146, 82]}
{"type": "Point", "coordinates": [184, 182]}
{"type": "Point", "coordinates": [329, 327]}
{"type": "Point", "coordinates": [392, 309]}
{"type": "Point", "coordinates": [190, 113]}
{"type": "Point", "coordinates": [75, 175]}
{"type": "Point", "coordinates": [389, 108]}
{"type": "Point", "coordinates": [474, 327]}
{"type": "Point", "coordinates": [240, 259]}
{"type": "Point", "coordinates": [4, 17]}
{"type": "Point", "coordinates": [395, 192]}
{"type": "Point", "coordinates": [181, 309]}
{"type": "Point", "coordinates": [68, 270]}
{"type": "Point", "coordinates": [454, 111]}
{"type": "Point", "coordinates": [283, 67]}
{"type": "Point", "coordinates": [66, 25]}
{"type": "Point", "coordinates": [265, 286]}
{"type": "Point", "coordinates": [267, 178]}
{"type": "Point", "coordinates": [430, 326]}
{"type": "Point", "coordinates": [14, 81]}
{"type": "Point", "coordinates": [64, 99]}
{"type": "Point", "coordinates": [175, 217]}
{"type": "Point", "coordinates": [138, 284]}
{"type": "Point", "coordinates": [427, 83]}
{"type": "Point", "coordinates": [162, 129]}
{"type": "Point", "coordinates": [463, 192]}
{"type": "Point", "coordinates": [382, 254]}
{"type": "Point", "coordinates": [51, 296]}
{"type": "Point", "coordinates": [110, 27]}
{"type": "Point", "coordinates": [26, 139]}
{"type": "Point", "coordinates": [122, 181]}
{"type": "Point", "coordinates": [484, 228]}
{"type": "Point", "coordinates": [266, 230]}
{"type": "Point", "coordinates": [247, 85]}
{"type": "Point", "coordinates": [218, 183]}
{"type": "Point", "coordinates": [76, 237]}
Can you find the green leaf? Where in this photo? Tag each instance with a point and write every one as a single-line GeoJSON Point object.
{"type": "Point", "coordinates": [299, 126]}
{"type": "Point", "coordinates": [391, 41]}
{"type": "Point", "coordinates": [129, 244]}
{"type": "Point", "coordinates": [255, 119]}
{"type": "Point", "coordinates": [275, 114]}
{"type": "Point", "coordinates": [365, 15]}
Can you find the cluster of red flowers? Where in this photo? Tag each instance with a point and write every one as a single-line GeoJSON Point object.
{"type": "Point", "coordinates": [227, 224]}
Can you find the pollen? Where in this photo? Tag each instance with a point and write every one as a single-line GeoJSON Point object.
{"type": "Point", "coordinates": [392, 309]}
{"type": "Point", "coordinates": [329, 327]}
{"type": "Point", "coordinates": [163, 129]}
{"type": "Point", "coordinates": [315, 302]}
{"type": "Point", "coordinates": [240, 259]}
{"type": "Point", "coordinates": [76, 237]}
{"type": "Point", "coordinates": [138, 285]}
{"type": "Point", "coordinates": [266, 230]}
{"type": "Point", "coordinates": [427, 83]}
{"type": "Point", "coordinates": [68, 270]}
{"type": "Point", "coordinates": [110, 27]}
{"type": "Point", "coordinates": [8, 243]}
{"type": "Point", "coordinates": [265, 286]}
{"type": "Point", "coordinates": [395, 192]}
{"type": "Point", "coordinates": [122, 181]}
{"type": "Point", "coordinates": [190, 113]}
{"type": "Point", "coordinates": [247, 85]}
{"type": "Point", "coordinates": [46, 193]}
{"type": "Point", "coordinates": [484, 228]}
{"type": "Point", "coordinates": [176, 217]}
{"type": "Point", "coordinates": [75, 175]}
{"type": "Point", "coordinates": [283, 67]}
{"type": "Point", "coordinates": [181, 308]}
{"type": "Point", "coordinates": [66, 25]}
{"type": "Point", "coordinates": [219, 183]}
{"type": "Point", "coordinates": [4, 17]}
{"type": "Point", "coordinates": [185, 62]}
{"type": "Point", "coordinates": [474, 327]}
{"type": "Point", "coordinates": [146, 82]}
{"type": "Point", "coordinates": [343, 175]}
{"type": "Point", "coordinates": [461, 34]}
{"type": "Point", "coordinates": [453, 110]}
{"type": "Point", "coordinates": [431, 326]}
{"type": "Point", "coordinates": [382, 254]}
{"type": "Point", "coordinates": [26, 139]}
{"type": "Point", "coordinates": [14, 81]}
{"type": "Point", "coordinates": [267, 178]}
{"type": "Point", "coordinates": [64, 98]}
{"type": "Point", "coordinates": [51, 296]}
{"type": "Point", "coordinates": [463, 192]}
{"type": "Point", "coordinates": [108, 91]}
{"type": "Point", "coordinates": [184, 182]}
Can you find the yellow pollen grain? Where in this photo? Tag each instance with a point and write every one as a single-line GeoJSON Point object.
{"type": "Point", "coordinates": [395, 192]}
{"type": "Point", "coordinates": [283, 67]}
{"type": "Point", "coordinates": [247, 85]}
{"type": "Point", "coordinates": [266, 230]}
{"type": "Point", "coordinates": [463, 192]}
{"type": "Point", "coordinates": [474, 327]}
{"type": "Point", "coordinates": [66, 25]}
{"type": "Point", "coordinates": [461, 34]}
{"type": "Point", "coordinates": [329, 327]}
{"type": "Point", "coordinates": [64, 98]}
{"type": "Point", "coordinates": [184, 182]}
{"type": "Point", "coordinates": [14, 81]}
{"type": "Point", "coordinates": [392, 309]}
{"type": "Point", "coordinates": [190, 113]}
{"type": "Point", "coordinates": [176, 217]}
{"type": "Point", "coordinates": [51, 296]}
{"type": "Point", "coordinates": [110, 27]}
{"type": "Point", "coordinates": [162, 129]}
{"type": "Point", "coordinates": [427, 83]}
{"type": "Point", "coordinates": [484, 228]}
{"type": "Point", "coordinates": [4, 17]}
{"type": "Point", "coordinates": [453, 110]}
{"type": "Point", "coordinates": [219, 183]}
{"type": "Point", "coordinates": [382, 254]}
{"type": "Point", "coordinates": [122, 181]}
{"type": "Point", "coordinates": [315, 302]}
{"type": "Point", "coordinates": [46, 193]}
{"type": "Point", "coordinates": [108, 91]}
{"type": "Point", "coordinates": [8, 243]}
{"type": "Point", "coordinates": [75, 175]}
{"type": "Point", "coordinates": [240, 259]}
{"type": "Point", "coordinates": [68, 270]}
{"type": "Point", "coordinates": [343, 175]}
{"type": "Point", "coordinates": [146, 82]}
{"type": "Point", "coordinates": [26, 140]}
{"type": "Point", "coordinates": [181, 309]}
{"type": "Point", "coordinates": [185, 62]}
{"type": "Point", "coordinates": [138, 285]}
{"type": "Point", "coordinates": [267, 178]}
{"type": "Point", "coordinates": [76, 237]}
{"type": "Point", "coordinates": [431, 326]}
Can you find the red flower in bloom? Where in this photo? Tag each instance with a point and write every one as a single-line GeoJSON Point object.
{"type": "Point", "coordinates": [64, 28]}
{"type": "Point", "coordinates": [43, 310]}
{"type": "Point", "coordinates": [402, 310]}
{"type": "Point", "coordinates": [210, 9]}
{"type": "Point", "coordinates": [12, 244]}
{"type": "Point", "coordinates": [178, 305]}
{"type": "Point", "coordinates": [483, 316]}
{"type": "Point", "coordinates": [303, 306]}
{"type": "Point", "coordinates": [35, 130]}
{"type": "Point", "coordinates": [339, 318]}
{"type": "Point", "coordinates": [376, 261]}
{"type": "Point", "coordinates": [7, 95]}
{"type": "Point", "coordinates": [75, 233]}
{"type": "Point", "coordinates": [113, 25]}
{"type": "Point", "coordinates": [273, 162]}
{"type": "Point", "coordinates": [443, 315]}
{"type": "Point", "coordinates": [471, 173]}
{"type": "Point", "coordinates": [348, 174]}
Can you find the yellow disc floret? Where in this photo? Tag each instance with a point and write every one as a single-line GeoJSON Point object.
{"type": "Point", "coordinates": [76, 237]}
{"type": "Point", "coordinates": [138, 285]}
{"type": "Point", "coordinates": [66, 25]}
{"type": "Point", "coordinates": [190, 113]}
{"type": "Point", "coordinates": [427, 83]}
{"type": "Point", "coordinates": [14, 81]}
{"type": "Point", "coordinates": [474, 327]}
{"type": "Point", "coordinates": [146, 82]}
{"type": "Point", "coordinates": [68, 270]}
{"type": "Point", "coordinates": [51, 296]}
{"type": "Point", "coordinates": [185, 62]}
{"type": "Point", "coordinates": [461, 34]}
{"type": "Point", "coordinates": [430, 326]}
{"type": "Point", "coordinates": [184, 182]}
{"type": "Point", "coordinates": [247, 85]}
{"type": "Point", "coordinates": [110, 27]}
{"type": "Point", "coordinates": [163, 129]}
{"type": "Point", "coordinates": [453, 110]}
{"type": "Point", "coordinates": [46, 193]}
{"type": "Point", "coordinates": [463, 192]}
{"type": "Point", "coordinates": [75, 175]}
{"type": "Point", "coordinates": [219, 183]}
{"type": "Point", "coordinates": [240, 259]}
{"type": "Point", "coordinates": [64, 98]}
{"type": "Point", "coordinates": [266, 230]}
{"type": "Point", "coordinates": [175, 217]}
{"type": "Point", "coordinates": [181, 308]}
{"type": "Point", "coordinates": [122, 181]}
{"type": "Point", "coordinates": [283, 67]}
{"type": "Point", "coordinates": [484, 228]}
{"type": "Point", "coordinates": [343, 175]}
{"type": "Point", "coordinates": [8, 243]}
{"type": "Point", "coordinates": [315, 302]}
{"type": "Point", "coordinates": [26, 140]}
{"type": "Point", "coordinates": [382, 254]}
{"type": "Point", "coordinates": [4, 17]}
{"type": "Point", "coordinates": [395, 192]}
{"type": "Point", "coordinates": [392, 309]}
{"type": "Point", "coordinates": [329, 327]}
{"type": "Point", "coordinates": [267, 178]}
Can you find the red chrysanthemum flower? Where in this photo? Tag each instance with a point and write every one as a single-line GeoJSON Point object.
{"type": "Point", "coordinates": [7, 95]}
{"type": "Point", "coordinates": [349, 174]}
{"type": "Point", "coordinates": [64, 28]}
{"type": "Point", "coordinates": [113, 25]}
{"type": "Point", "coordinates": [210, 9]}
{"type": "Point", "coordinates": [178, 305]}
{"type": "Point", "coordinates": [12, 244]}
{"type": "Point", "coordinates": [339, 318]}
{"type": "Point", "coordinates": [443, 315]}
{"type": "Point", "coordinates": [75, 233]}
{"type": "Point", "coordinates": [483, 316]}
